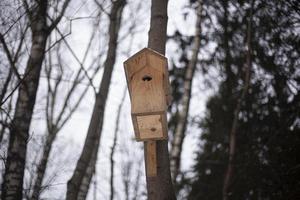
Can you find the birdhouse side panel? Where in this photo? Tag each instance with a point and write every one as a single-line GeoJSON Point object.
{"type": "Point", "coordinates": [161, 64]}
{"type": "Point", "coordinates": [132, 66]}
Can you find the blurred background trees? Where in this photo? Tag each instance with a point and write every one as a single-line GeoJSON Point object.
{"type": "Point", "coordinates": [266, 161]}
{"type": "Point", "coordinates": [233, 123]}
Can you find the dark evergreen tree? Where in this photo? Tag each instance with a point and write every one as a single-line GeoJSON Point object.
{"type": "Point", "coordinates": [267, 161]}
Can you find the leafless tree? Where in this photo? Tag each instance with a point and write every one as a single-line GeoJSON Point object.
{"type": "Point", "coordinates": [12, 41]}
{"type": "Point", "coordinates": [183, 111]}
{"type": "Point", "coordinates": [37, 12]}
{"type": "Point", "coordinates": [113, 148]}
{"type": "Point", "coordinates": [79, 183]}
{"type": "Point", "coordinates": [233, 131]}
{"type": "Point", "coordinates": [57, 117]}
{"type": "Point", "coordinates": [132, 171]}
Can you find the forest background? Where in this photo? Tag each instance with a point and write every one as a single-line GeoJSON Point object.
{"type": "Point", "coordinates": [65, 111]}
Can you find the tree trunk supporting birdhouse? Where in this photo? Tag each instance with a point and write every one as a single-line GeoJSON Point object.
{"type": "Point", "coordinates": [151, 159]}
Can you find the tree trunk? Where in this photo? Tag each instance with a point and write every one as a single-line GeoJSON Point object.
{"type": "Point", "coordinates": [55, 125]}
{"type": "Point", "coordinates": [159, 187]}
{"type": "Point", "coordinates": [41, 169]}
{"type": "Point", "coordinates": [84, 187]}
{"type": "Point", "coordinates": [78, 185]}
{"type": "Point", "coordinates": [232, 135]}
{"type": "Point", "coordinates": [14, 171]}
{"type": "Point", "coordinates": [114, 146]}
{"type": "Point", "coordinates": [179, 135]}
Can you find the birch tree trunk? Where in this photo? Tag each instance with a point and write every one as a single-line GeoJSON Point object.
{"type": "Point", "coordinates": [12, 186]}
{"type": "Point", "coordinates": [179, 135]}
{"type": "Point", "coordinates": [55, 124]}
{"type": "Point", "coordinates": [159, 187]}
{"type": "Point", "coordinates": [234, 127]}
{"type": "Point", "coordinates": [78, 185]}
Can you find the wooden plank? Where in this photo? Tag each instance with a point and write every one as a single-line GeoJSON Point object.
{"type": "Point", "coordinates": [148, 95]}
{"type": "Point", "coordinates": [164, 122]}
{"type": "Point", "coordinates": [150, 126]}
{"type": "Point", "coordinates": [151, 160]}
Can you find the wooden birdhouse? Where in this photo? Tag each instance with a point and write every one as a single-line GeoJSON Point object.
{"type": "Point", "coordinates": [148, 84]}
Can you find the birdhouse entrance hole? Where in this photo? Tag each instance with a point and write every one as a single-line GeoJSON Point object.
{"type": "Point", "coordinates": [153, 129]}
{"type": "Point", "coordinates": [147, 78]}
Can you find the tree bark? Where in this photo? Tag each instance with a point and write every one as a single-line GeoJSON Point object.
{"type": "Point", "coordinates": [55, 125]}
{"type": "Point", "coordinates": [12, 186]}
{"type": "Point", "coordinates": [233, 132]}
{"type": "Point", "coordinates": [179, 135]}
{"type": "Point", "coordinates": [159, 187]}
{"type": "Point", "coordinates": [41, 169]}
{"type": "Point", "coordinates": [113, 148]}
{"type": "Point", "coordinates": [78, 185]}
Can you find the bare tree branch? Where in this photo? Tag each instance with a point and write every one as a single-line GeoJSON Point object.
{"type": "Point", "coordinates": [9, 57]}
{"type": "Point", "coordinates": [56, 124]}
{"type": "Point", "coordinates": [79, 183]}
{"type": "Point", "coordinates": [12, 186]}
{"type": "Point", "coordinates": [77, 59]}
{"type": "Point", "coordinates": [61, 14]}
{"type": "Point", "coordinates": [113, 148]}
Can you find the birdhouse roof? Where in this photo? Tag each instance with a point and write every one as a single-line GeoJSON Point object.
{"type": "Point", "coordinates": [145, 58]}
{"type": "Point", "coordinates": [146, 51]}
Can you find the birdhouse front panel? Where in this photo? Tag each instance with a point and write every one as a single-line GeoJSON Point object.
{"type": "Point", "coordinates": [147, 80]}
{"type": "Point", "coordinates": [147, 87]}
